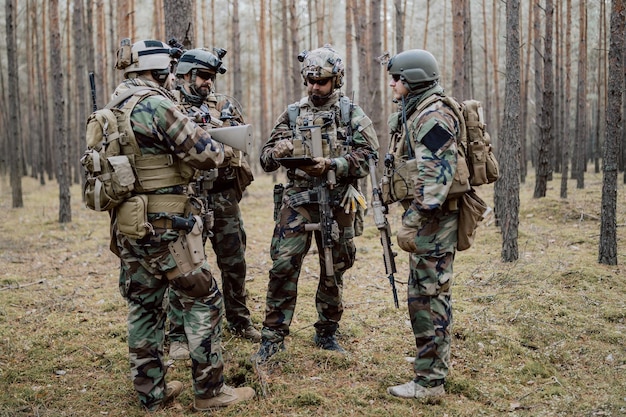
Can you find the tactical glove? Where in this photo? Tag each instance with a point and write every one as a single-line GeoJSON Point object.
{"type": "Point", "coordinates": [322, 165]}
{"type": "Point", "coordinates": [283, 148]}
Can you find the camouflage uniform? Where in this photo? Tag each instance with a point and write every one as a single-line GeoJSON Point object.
{"type": "Point", "coordinates": [228, 237]}
{"type": "Point", "coordinates": [291, 242]}
{"type": "Point", "coordinates": [160, 128]}
{"type": "Point", "coordinates": [433, 227]}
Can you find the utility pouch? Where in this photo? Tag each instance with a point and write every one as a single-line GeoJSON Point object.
{"type": "Point", "coordinates": [461, 181]}
{"type": "Point", "coordinates": [279, 190]}
{"type": "Point", "coordinates": [188, 249]}
{"type": "Point", "coordinates": [132, 217]}
{"type": "Point", "coordinates": [399, 182]}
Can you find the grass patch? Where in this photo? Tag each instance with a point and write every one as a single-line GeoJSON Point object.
{"type": "Point", "coordinates": [542, 336]}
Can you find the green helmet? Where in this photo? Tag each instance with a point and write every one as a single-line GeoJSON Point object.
{"type": "Point", "coordinates": [322, 62]}
{"type": "Point", "coordinates": [201, 59]}
{"type": "Point", "coordinates": [414, 67]}
{"type": "Point", "coordinates": [148, 55]}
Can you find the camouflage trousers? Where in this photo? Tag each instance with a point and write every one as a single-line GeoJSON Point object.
{"type": "Point", "coordinates": [290, 243]}
{"type": "Point", "coordinates": [430, 311]}
{"type": "Point", "coordinates": [229, 244]}
{"type": "Point", "coordinates": [143, 284]}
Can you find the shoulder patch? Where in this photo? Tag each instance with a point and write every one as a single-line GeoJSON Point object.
{"type": "Point", "coordinates": [436, 137]}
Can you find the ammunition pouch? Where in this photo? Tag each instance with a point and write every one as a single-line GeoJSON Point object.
{"type": "Point", "coordinates": [397, 184]}
{"type": "Point", "coordinates": [132, 217]}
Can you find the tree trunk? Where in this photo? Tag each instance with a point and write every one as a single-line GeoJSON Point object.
{"type": "Point", "coordinates": [581, 100]}
{"type": "Point", "coordinates": [458, 19]}
{"type": "Point", "coordinates": [178, 21]}
{"type": "Point", "coordinates": [538, 61]}
{"type": "Point", "coordinates": [543, 153]}
{"type": "Point", "coordinates": [59, 136]}
{"type": "Point", "coordinates": [15, 146]}
{"type": "Point", "coordinates": [608, 229]}
{"type": "Point", "coordinates": [568, 101]}
{"type": "Point", "coordinates": [509, 182]}
{"type": "Point", "coordinates": [525, 119]}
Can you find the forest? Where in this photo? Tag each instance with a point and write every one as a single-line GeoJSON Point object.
{"type": "Point", "coordinates": [560, 71]}
{"type": "Point", "coordinates": [540, 324]}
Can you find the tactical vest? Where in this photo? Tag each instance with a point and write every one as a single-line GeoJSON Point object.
{"type": "Point", "coordinates": [334, 124]}
{"type": "Point", "coordinates": [152, 172]}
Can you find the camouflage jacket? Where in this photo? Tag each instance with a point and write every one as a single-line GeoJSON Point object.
{"type": "Point", "coordinates": [161, 128]}
{"type": "Point", "coordinates": [352, 162]}
{"type": "Point", "coordinates": [433, 134]}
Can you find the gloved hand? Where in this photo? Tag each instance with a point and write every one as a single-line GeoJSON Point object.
{"type": "Point", "coordinates": [322, 165]}
{"type": "Point", "coordinates": [351, 198]}
{"type": "Point", "coordinates": [283, 148]}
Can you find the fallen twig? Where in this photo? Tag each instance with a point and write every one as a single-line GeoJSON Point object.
{"type": "Point", "coordinates": [18, 286]}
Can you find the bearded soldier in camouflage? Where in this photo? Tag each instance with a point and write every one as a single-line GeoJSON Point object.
{"type": "Point", "coordinates": [347, 139]}
{"type": "Point", "coordinates": [424, 135]}
{"type": "Point", "coordinates": [169, 146]}
{"type": "Point", "coordinates": [221, 189]}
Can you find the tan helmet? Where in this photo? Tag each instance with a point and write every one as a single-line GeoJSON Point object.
{"type": "Point", "coordinates": [147, 55]}
{"type": "Point", "coordinates": [322, 62]}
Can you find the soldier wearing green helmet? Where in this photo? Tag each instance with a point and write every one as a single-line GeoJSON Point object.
{"type": "Point", "coordinates": [345, 138]}
{"type": "Point", "coordinates": [425, 131]}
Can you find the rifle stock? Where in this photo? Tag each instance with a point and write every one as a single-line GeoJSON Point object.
{"type": "Point", "coordinates": [380, 219]}
{"type": "Point", "coordinates": [238, 137]}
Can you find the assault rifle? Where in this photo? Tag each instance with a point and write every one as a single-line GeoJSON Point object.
{"type": "Point", "coordinates": [327, 225]}
{"type": "Point", "coordinates": [92, 82]}
{"type": "Point", "coordinates": [380, 219]}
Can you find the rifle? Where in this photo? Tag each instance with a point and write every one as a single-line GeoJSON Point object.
{"type": "Point", "coordinates": [327, 226]}
{"type": "Point", "coordinates": [92, 82]}
{"type": "Point", "coordinates": [380, 219]}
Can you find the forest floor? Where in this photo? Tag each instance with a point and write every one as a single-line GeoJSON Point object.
{"type": "Point", "coordinates": [542, 336]}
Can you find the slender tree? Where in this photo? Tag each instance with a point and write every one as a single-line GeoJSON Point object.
{"type": "Point", "coordinates": [581, 101]}
{"type": "Point", "coordinates": [608, 228]}
{"type": "Point", "coordinates": [59, 136]}
{"type": "Point", "coordinates": [568, 100]}
{"type": "Point", "coordinates": [458, 19]}
{"type": "Point", "coordinates": [15, 146]}
{"type": "Point", "coordinates": [510, 148]}
{"type": "Point", "coordinates": [543, 167]}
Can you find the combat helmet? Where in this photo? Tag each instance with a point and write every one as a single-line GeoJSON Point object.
{"type": "Point", "coordinates": [416, 68]}
{"type": "Point", "coordinates": [201, 59]}
{"type": "Point", "coordinates": [322, 62]}
{"type": "Point", "coordinates": [147, 55]}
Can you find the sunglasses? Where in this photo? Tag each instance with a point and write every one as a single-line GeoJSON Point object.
{"type": "Point", "coordinates": [321, 82]}
{"type": "Point", "coordinates": [396, 77]}
{"type": "Point", "coordinates": [206, 75]}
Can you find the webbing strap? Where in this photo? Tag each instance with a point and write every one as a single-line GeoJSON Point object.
{"type": "Point", "coordinates": [167, 203]}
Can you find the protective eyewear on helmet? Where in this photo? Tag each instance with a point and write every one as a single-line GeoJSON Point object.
{"type": "Point", "coordinates": [321, 82]}
{"type": "Point", "coordinates": [205, 75]}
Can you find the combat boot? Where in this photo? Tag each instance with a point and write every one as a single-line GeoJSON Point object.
{"type": "Point", "coordinates": [267, 350]}
{"type": "Point", "coordinates": [227, 396]}
{"type": "Point", "coordinates": [328, 342]}
{"type": "Point", "coordinates": [248, 332]}
{"type": "Point", "coordinates": [413, 390]}
{"type": "Point", "coordinates": [172, 390]}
